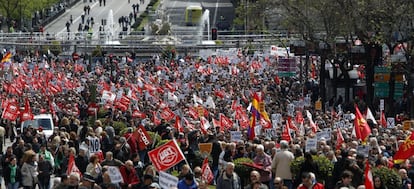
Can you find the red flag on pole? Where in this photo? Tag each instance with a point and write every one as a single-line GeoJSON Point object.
{"type": "Point", "coordinates": [339, 138]}
{"type": "Point", "coordinates": [178, 125]}
{"type": "Point", "coordinates": [383, 120]}
{"type": "Point", "coordinates": [405, 150]}
{"type": "Point", "coordinates": [207, 173]}
{"type": "Point", "coordinates": [27, 114]}
{"type": "Point", "coordinates": [143, 138]}
{"type": "Point", "coordinates": [225, 122]}
{"type": "Point", "coordinates": [286, 133]}
{"type": "Point", "coordinates": [369, 183]}
{"type": "Point", "coordinates": [362, 129]}
{"type": "Point", "coordinates": [72, 168]}
{"type": "Point", "coordinates": [166, 156]}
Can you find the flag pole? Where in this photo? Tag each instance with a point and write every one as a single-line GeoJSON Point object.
{"type": "Point", "coordinates": [185, 159]}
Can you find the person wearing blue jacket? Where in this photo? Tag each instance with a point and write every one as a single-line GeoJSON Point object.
{"type": "Point", "coordinates": [188, 182]}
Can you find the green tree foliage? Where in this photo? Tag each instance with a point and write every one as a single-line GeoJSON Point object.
{"type": "Point", "coordinates": [16, 9]}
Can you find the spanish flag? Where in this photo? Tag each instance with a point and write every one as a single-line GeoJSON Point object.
{"type": "Point", "coordinates": [257, 109]}
{"type": "Point", "coordinates": [362, 129]}
{"type": "Point", "coordinates": [405, 150]}
{"type": "Point", "coordinates": [6, 57]}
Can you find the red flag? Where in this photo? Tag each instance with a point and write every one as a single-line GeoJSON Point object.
{"type": "Point", "coordinates": [27, 114]}
{"type": "Point", "coordinates": [167, 114]}
{"type": "Point", "coordinates": [265, 124]}
{"type": "Point", "coordinates": [166, 156]}
{"type": "Point", "coordinates": [178, 125]}
{"type": "Point", "coordinates": [225, 122]}
{"type": "Point", "coordinates": [405, 150]}
{"type": "Point", "coordinates": [72, 168]}
{"type": "Point", "coordinates": [206, 172]}
{"type": "Point", "coordinates": [369, 182]}
{"type": "Point", "coordinates": [216, 123]}
{"type": "Point", "coordinates": [339, 139]}
{"type": "Point", "coordinates": [234, 105]}
{"type": "Point", "coordinates": [286, 133]}
{"type": "Point", "coordinates": [291, 125]}
{"type": "Point", "coordinates": [192, 112]}
{"type": "Point", "coordinates": [383, 120]}
{"type": "Point", "coordinates": [11, 112]}
{"type": "Point", "coordinates": [138, 114]}
{"type": "Point", "coordinates": [362, 129]}
{"type": "Point", "coordinates": [143, 138]}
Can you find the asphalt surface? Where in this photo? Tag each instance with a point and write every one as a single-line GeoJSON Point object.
{"type": "Point", "coordinates": [118, 7]}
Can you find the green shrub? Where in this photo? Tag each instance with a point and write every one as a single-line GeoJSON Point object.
{"type": "Point", "coordinates": [154, 137]}
{"type": "Point", "coordinates": [325, 167]}
{"type": "Point", "coordinates": [161, 142]}
{"type": "Point", "coordinates": [389, 177]}
{"type": "Point", "coordinates": [118, 126]}
{"type": "Point", "coordinates": [242, 170]}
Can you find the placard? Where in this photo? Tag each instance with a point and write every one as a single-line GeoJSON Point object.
{"type": "Point", "coordinates": [311, 143]}
{"type": "Point", "coordinates": [382, 106]}
{"type": "Point", "coordinates": [270, 133]}
{"type": "Point", "coordinates": [235, 136]}
{"type": "Point", "coordinates": [167, 181]}
{"type": "Point", "coordinates": [390, 122]}
{"type": "Point", "coordinates": [205, 147]}
{"type": "Point", "coordinates": [115, 175]}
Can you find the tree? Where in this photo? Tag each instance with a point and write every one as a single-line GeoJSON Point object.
{"type": "Point", "coordinates": [373, 22]}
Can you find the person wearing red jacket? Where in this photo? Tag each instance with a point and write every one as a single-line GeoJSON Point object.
{"type": "Point", "coordinates": [309, 182]}
{"type": "Point", "coordinates": [129, 175]}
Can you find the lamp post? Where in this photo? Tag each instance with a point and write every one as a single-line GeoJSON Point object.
{"type": "Point", "coordinates": [324, 50]}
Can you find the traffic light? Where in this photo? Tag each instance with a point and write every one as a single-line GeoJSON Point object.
{"type": "Point", "coordinates": [214, 34]}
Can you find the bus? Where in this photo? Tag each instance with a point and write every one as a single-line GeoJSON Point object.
{"type": "Point", "coordinates": [193, 15]}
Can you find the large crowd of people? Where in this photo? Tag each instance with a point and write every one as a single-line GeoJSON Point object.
{"type": "Point", "coordinates": [194, 90]}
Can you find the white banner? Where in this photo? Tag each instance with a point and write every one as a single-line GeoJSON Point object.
{"type": "Point", "coordinates": [167, 181]}
{"type": "Point", "coordinates": [311, 143]}
{"type": "Point", "coordinates": [235, 136]}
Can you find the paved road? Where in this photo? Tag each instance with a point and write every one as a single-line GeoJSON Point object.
{"type": "Point", "coordinates": [119, 8]}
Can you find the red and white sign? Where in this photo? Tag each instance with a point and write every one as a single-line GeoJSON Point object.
{"type": "Point", "coordinates": [142, 136]}
{"type": "Point", "coordinates": [207, 173]}
{"type": "Point", "coordinates": [166, 156]}
{"type": "Point", "coordinates": [93, 109]}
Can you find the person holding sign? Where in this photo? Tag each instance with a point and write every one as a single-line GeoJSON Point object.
{"type": "Point", "coordinates": [129, 175]}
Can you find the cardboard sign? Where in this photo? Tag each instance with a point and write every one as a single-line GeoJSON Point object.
{"type": "Point", "coordinates": [235, 136]}
{"type": "Point", "coordinates": [390, 122]}
{"type": "Point", "coordinates": [270, 133]}
{"type": "Point", "coordinates": [318, 105]}
{"type": "Point", "coordinates": [311, 143]}
{"type": "Point", "coordinates": [115, 175]}
{"type": "Point", "coordinates": [382, 106]}
{"type": "Point", "coordinates": [205, 147]}
{"type": "Point", "coordinates": [167, 181]}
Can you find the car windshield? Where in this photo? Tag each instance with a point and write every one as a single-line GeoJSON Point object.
{"type": "Point", "coordinates": [44, 122]}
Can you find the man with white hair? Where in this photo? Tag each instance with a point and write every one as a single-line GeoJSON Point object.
{"type": "Point", "coordinates": [281, 164]}
{"type": "Point", "coordinates": [264, 160]}
{"type": "Point", "coordinates": [229, 179]}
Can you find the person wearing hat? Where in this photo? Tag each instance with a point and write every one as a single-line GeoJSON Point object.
{"type": "Point", "coordinates": [188, 182]}
{"type": "Point", "coordinates": [88, 182]}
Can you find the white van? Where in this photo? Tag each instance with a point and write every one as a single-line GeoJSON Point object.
{"type": "Point", "coordinates": [43, 120]}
